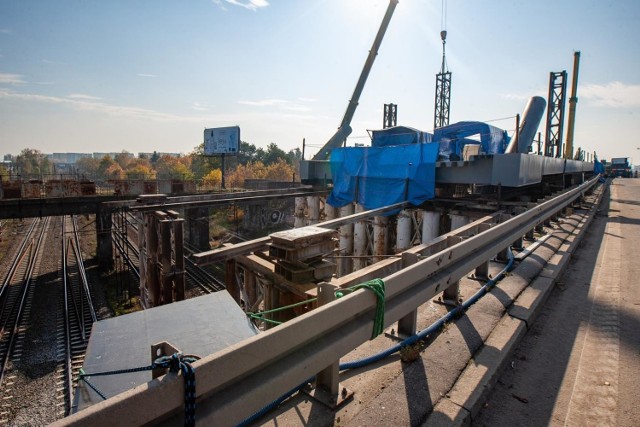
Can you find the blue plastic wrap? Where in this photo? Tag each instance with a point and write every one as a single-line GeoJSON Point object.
{"type": "Point", "coordinates": [399, 135]}
{"type": "Point", "coordinates": [381, 176]}
{"type": "Point", "coordinates": [454, 137]}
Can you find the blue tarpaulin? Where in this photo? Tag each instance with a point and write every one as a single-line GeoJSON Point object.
{"type": "Point", "coordinates": [598, 167]}
{"type": "Point", "coordinates": [454, 137]}
{"type": "Point", "coordinates": [399, 135]}
{"type": "Point", "coordinates": [381, 176]}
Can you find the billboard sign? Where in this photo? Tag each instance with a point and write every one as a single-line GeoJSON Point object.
{"type": "Point", "coordinates": [224, 140]}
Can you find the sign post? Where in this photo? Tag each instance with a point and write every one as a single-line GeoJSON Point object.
{"type": "Point", "coordinates": [221, 142]}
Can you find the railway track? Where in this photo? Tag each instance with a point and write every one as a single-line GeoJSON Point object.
{"type": "Point", "coordinates": [16, 296]}
{"type": "Point", "coordinates": [77, 315]}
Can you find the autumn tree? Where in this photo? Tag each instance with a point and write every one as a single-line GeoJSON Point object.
{"type": "Point", "coordinates": [213, 179]}
{"type": "Point", "coordinates": [140, 170]}
{"type": "Point", "coordinates": [88, 166]}
{"type": "Point", "coordinates": [114, 171]}
{"type": "Point", "coordinates": [123, 159]}
{"type": "Point", "coordinates": [171, 167]}
{"type": "Point", "coordinates": [32, 162]}
{"type": "Point", "coordinates": [280, 170]}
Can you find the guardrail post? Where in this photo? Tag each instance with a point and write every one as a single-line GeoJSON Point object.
{"type": "Point", "coordinates": [503, 255]}
{"type": "Point", "coordinates": [517, 244]}
{"type": "Point", "coordinates": [408, 325]}
{"type": "Point", "coordinates": [451, 293]}
{"type": "Point", "coordinates": [327, 387]}
{"type": "Point", "coordinates": [482, 271]}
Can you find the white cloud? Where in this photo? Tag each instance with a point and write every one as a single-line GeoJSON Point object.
{"type": "Point", "coordinates": [5, 31]}
{"type": "Point", "coordinates": [303, 99]}
{"type": "Point", "coordinates": [87, 103]}
{"type": "Point", "coordinates": [11, 79]}
{"type": "Point", "coordinates": [83, 96]}
{"type": "Point", "coordinates": [147, 75]}
{"type": "Point", "coordinates": [199, 107]}
{"type": "Point", "coordinates": [282, 104]}
{"type": "Point", "coordinates": [612, 94]}
{"type": "Point", "coordinates": [247, 4]}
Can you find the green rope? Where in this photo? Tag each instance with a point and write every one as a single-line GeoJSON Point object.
{"type": "Point", "coordinates": [259, 317]}
{"type": "Point", "coordinates": [286, 307]}
{"type": "Point", "coordinates": [377, 287]}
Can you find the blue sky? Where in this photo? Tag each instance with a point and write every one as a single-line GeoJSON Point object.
{"type": "Point", "coordinates": [84, 76]}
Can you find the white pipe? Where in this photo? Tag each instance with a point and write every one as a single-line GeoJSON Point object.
{"type": "Point", "coordinates": [403, 233]}
{"type": "Point", "coordinates": [430, 225]}
{"type": "Point", "coordinates": [346, 243]}
{"type": "Point", "coordinates": [359, 242]}
{"type": "Point", "coordinates": [458, 221]}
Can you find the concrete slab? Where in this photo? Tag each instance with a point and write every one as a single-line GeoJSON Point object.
{"type": "Point", "coordinates": [529, 304]}
{"type": "Point", "coordinates": [480, 375]}
{"type": "Point", "coordinates": [556, 265]}
{"type": "Point", "coordinates": [446, 413]}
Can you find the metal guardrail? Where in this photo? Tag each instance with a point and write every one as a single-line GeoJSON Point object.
{"type": "Point", "coordinates": [243, 378]}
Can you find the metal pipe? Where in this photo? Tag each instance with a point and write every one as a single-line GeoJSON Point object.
{"type": "Point", "coordinates": [526, 130]}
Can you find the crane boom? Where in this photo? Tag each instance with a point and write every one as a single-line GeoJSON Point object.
{"type": "Point", "coordinates": [345, 129]}
{"type": "Point", "coordinates": [568, 148]}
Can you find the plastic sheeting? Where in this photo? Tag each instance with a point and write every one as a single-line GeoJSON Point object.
{"type": "Point", "coordinates": [598, 167]}
{"type": "Point", "coordinates": [381, 176]}
{"type": "Point", "coordinates": [454, 137]}
{"type": "Point", "coordinates": [399, 135]}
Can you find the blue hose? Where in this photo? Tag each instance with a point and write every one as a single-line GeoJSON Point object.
{"type": "Point", "coordinates": [434, 327]}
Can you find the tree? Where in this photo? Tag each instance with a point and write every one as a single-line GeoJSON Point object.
{"type": "Point", "coordinates": [104, 165]}
{"type": "Point", "coordinates": [213, 179]}
{"type": "Point", "coordinates": [254, 170]}
{"type": "Point", "coordinates": [273, 153]}
{"type": "Point", "coordinates": [140, 171]}
{"type": "Point", "coordinates": [88, 166]}
{"type": "Point", "coordinates": [201, 165]}
{"type": "Point", "coordinates": [123, 159]}
{"type": "Point", "coordinates": [114, 171]}
{"type": "Point", "coordinates": [171, 167]}
{"type": "Point", "coordinates": [32, 162]}
{"type": "Point", "coordinates": [280, 171]}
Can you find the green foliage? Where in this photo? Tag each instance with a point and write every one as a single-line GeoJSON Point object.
{"type": "Point", "coordinates": [32, 162]}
